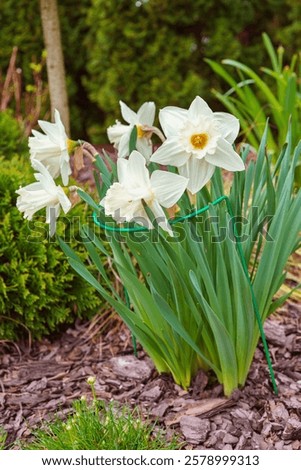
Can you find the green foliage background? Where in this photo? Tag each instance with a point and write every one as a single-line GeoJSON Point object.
{"type": "Point", "coordinates": [11, 133]}
{"type": "Point", "coordinates": [21, 26]}
{"type": "Point", "coordinates": [146, 50]}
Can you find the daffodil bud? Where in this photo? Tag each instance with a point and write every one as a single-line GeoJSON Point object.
{"type": "Point", "coordinates": [91, 380]}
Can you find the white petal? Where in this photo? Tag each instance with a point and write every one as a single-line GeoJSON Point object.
{"type": "Point", "coordinates": [30, 187]}
{"type": "Point", "coordinates": [43, 194]}
{"type": "Point", "coordinates": [37, 134]}
{"type": "Point", "coordinates": [40, 139]}
{"type": "Point", "coordinates": [32, 199]}
{"type": "Point", "coordinates": [199, 173]}
{"type": "Point", "coordinates": [116, 131]}
{"type": "Point", "coordinates": [171, 119]}
{"type": "Point", "coordinates": [138, 175]}
{"type": "Point", "coordinates": [160, 216]}
{"type": "Point", "coordinates": [119, 204]}
{"type": "Point", "coordinates": [134, 176]}
{"type": "Point", "coordinates": [65, 172]}
{"type": "Point", "coordinates": [44, 177]}
{"type": "Point", "coordinates": [171, 152]}
{"type": "Point", "coordinates": [37, 165]}
{"type": "Point", "coordinates": [63, 199]}
{"type": "Point", "coordinates": [44, 151]}
{"type": "Point", "coordinates": [52, 163]}
{"type": "Point", "coordinates": [115, 198]}
{"type": "Point", "coordinates": [59, 123]}
{"type": "Point", "coordinates": [65, 167]}
{"type": "Point", "coordinates": [145, 147]}
{"type": "Point", "coordinates": [122, 170]}
{"type": "Point", "coordinates": [141, 217]}
{"type": "Point", "coordinates": [42, 143]}
{"type": "Point", "coordinates": [51, 148]}
{"type": "Point", "coordinates": [228, 126]}
{"type": "Point", "coordinates": [198, 108]}
{"type": "Point", "coordinates": [226, 157]}
{"type": "Point", "coordinates": [128, 114]}
{"type": "Point", "coordinates": [124, 144]}
{"type": "Point", "coordinates": [146, 113]}
{"type": "Point", "coordinates": [168, 187]}
{"type": "Point", "coordinates": [51, 130]}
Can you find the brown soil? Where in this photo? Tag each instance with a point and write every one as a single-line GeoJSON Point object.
{"type": "Point", "coordinates": [38, 381]}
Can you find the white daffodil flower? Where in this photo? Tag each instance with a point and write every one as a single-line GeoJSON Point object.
{"type": "Point", "coordinates": [52, 148]}
{"type": "Point", "coordinates": [198, 140]}
{"type": "Point", "coordinates": [119, 134]}
{"type": "Point", "coordinates": [43, 193]}
{"type": "Point", "coordinates": [124, 200]}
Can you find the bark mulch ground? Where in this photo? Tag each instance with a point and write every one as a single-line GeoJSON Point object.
{"type": "Point", "coordinates": [39, 381]}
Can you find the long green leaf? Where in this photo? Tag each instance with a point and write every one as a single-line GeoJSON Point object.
{"type": "Point", "coordinates": [223, 342]}
{"type": "Point", "coordinates": [172, 319]}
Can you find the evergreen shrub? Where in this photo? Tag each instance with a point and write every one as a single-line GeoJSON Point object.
{"type": "Point", "coordinates": [12, 138]}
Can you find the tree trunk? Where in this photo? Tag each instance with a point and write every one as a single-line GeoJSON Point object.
{"type": "Point", "coordinates": [55, 60]}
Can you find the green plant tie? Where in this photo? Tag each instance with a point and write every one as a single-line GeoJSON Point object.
{"type": "Point", "coordinates": [128, 304]}
{"type": "Point", "coordinates": [241, 256]}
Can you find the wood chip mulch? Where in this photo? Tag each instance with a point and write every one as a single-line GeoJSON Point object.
{"type": "Point", "coordinates": [40, 381]}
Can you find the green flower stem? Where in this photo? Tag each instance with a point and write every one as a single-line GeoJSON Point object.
{"type": "Point", "coordinates": [128, 304]}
